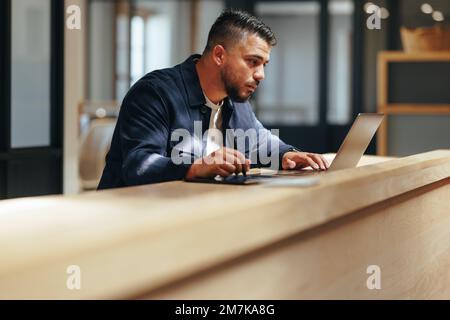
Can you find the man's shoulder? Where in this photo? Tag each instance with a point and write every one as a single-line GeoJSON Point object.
{"type": "Point", "coordinates": [162, 78]}
{"type": "Point", "coordinates": [242, 107]}
{"type": "Point", "coordinates": [243, 116]}
{"type": "Point", "coordinates": [244, 104]}
{"type": "Point", "coordinates": [181, 76]}
{"type": "Point", "coordinates": [158, 82]}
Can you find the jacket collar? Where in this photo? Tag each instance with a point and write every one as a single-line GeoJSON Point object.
{"type": "Point", "coordinates": [191, 81]}
{"type": "Point", "coordinates": [192, 84]}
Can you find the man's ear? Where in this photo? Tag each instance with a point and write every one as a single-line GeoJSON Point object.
{"type": "Point", "coordinates": [219, 55]}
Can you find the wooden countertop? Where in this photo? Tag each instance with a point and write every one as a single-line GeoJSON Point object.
{"type": "Point", "coordinates": [131, 240]}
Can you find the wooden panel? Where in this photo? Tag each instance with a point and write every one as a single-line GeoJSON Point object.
{"type": "Point", "coordinates": [401, 56]}
{"type": "Point", "coordinates": [408, 237]}
{"type": "Point", "coordinates": [134, 240]}
{"type": "Point", "coordinates": [404, 108]}
{"type": "Point", "coordinates": [397, 60]}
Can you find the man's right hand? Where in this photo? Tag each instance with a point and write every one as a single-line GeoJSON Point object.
{"type": "Point", "coordinates": [223, 162]}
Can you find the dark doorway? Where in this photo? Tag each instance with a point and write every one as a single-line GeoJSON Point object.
{"type": "Point", "coordinates": [31, 100]}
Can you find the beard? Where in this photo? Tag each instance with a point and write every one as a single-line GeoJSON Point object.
{"type": "Point", "coordinates": [232, 88]}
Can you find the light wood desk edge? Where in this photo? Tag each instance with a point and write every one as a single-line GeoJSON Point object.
{"type": "Point", "coordinates": [135, 240]}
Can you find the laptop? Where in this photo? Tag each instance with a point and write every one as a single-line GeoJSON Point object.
{"type": "Point", "coordinates": [350, 152]}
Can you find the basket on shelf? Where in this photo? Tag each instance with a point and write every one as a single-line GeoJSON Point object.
{"type": "Point", "coordinates": [436, 38]}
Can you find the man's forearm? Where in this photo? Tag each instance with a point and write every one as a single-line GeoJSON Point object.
{"type": "Point", "coordinates": [152, 168]}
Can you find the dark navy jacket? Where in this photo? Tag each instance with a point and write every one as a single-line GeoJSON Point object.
{"type": "Point", "coordinates": [159, 103]}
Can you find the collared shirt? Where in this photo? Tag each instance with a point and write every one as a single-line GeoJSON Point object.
{"type": "Point", "coordinates": [153, 112]}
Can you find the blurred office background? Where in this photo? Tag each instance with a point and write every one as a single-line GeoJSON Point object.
{"type": "Point", "coordinates": [61, 89]}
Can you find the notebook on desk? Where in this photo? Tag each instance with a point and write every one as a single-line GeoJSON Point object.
{"type": "Point", "coordinates": [349, 154]}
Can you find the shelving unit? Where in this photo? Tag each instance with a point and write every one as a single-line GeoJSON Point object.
{"type": "Point", "coordinates": [384, 106]}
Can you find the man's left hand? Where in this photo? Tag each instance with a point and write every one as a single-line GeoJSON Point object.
{"type": "Point", "coordinates": [298, 160]}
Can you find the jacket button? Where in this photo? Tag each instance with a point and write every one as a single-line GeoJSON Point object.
{"type": "Point", "coordinates": [203, 109]}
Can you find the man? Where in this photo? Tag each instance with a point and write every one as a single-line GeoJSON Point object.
{"type": "Point", "coordinates": [212, 89]}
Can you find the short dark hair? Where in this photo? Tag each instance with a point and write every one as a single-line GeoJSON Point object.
{"type": "Point", "coordinates": [231, 26]}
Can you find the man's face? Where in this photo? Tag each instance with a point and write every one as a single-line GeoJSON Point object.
{"type": "Point", "coordinates": [244, 67]}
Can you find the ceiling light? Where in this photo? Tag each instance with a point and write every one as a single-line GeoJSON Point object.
{"type": "Point", "coordinates": [369, 7]}
{"type": "Point", "coordinates": [437, 16]}
{"type": "Point", "coordinates": [384, 13]}
{"type": "Point", "coordinates": [100, 113]}
{"type": "Point", "coordinates": [426, 8]}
